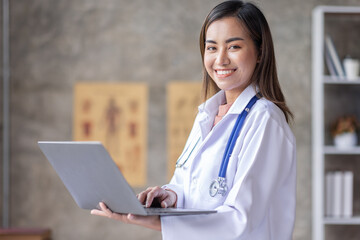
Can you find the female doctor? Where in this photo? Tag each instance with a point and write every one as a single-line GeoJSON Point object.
{"type": "Point", "coordinates": [240, 155]}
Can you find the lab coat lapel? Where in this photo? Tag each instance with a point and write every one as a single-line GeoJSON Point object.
{"type": "Point", "coordinates": [244, 98]}
{"type": "Point", "coordinates": [208, 111]}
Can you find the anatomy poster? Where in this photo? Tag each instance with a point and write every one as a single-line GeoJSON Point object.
{"type": "Point", "coordinates": [116, 115]}
{"type": "Point", "coordinates": [182, 106]}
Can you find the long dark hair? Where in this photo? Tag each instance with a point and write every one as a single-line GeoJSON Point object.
{"type": "Point", "coordinates": [265, 73]}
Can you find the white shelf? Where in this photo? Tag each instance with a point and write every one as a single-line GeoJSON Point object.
{"type": "Point", "coordinates": [336, 151]}
{"type": "Point", "coordinates": [342, 220]}
{"type": "Point", "coordinates": [338, 9]}
{"type": "Point", "coordinates": [320, 90]}
{"type": "Point", "coordinates": [338, 80]}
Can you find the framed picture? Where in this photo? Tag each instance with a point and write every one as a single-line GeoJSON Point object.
{"type": "Point", "coordinates": [182, 107]}
{"type": "Point", "coordinates": [116, 115]}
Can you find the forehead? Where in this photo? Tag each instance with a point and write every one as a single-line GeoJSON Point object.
{"type": "Point", "coordinates": [226, 27]}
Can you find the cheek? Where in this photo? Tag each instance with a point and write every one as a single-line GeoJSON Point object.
{"type": "Point", "coordinates": [208, 63]}
{"type": "Point", "coordinates": [248, 63]}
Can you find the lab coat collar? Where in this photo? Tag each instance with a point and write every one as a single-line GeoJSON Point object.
{"type": "Point", "coordinates": [209, 109]}
{"type": "Point", "coordinates": [243, 99]}
{"type": "Point", "coordinates": [211, 106]}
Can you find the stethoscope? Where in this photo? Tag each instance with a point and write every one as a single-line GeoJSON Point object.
{"type": "Point", "coordinates": [218, 186]}
{"type": "Point", "coordinates": [180, 165]}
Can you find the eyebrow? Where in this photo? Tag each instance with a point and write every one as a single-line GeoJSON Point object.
{"type": "Point", "coordinates": [234, 39]}
{"type": "Point", "coordinates": [227, 41]}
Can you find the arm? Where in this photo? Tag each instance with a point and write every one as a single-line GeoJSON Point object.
{"type": "Point", "coordinates": [264, 183]}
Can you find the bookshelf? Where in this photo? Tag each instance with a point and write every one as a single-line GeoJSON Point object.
{"type": "Point", "coordinates": [332, 97]}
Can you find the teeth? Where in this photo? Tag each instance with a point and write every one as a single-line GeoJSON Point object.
{"type": "Point", "coordinates": [223, 72]}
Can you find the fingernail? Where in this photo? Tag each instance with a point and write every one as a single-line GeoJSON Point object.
{"type": "Point", "coordinates": [165, 204]}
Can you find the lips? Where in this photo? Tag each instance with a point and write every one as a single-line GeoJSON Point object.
{"type": "Point", "coordinates": [221, 73]}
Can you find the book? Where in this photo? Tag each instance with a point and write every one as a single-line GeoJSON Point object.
{"type": "Point", "coordinates": [348, 194]}
{"type": "Point", "coordinates": [329, 193]}
{"type": "Point", "coordinates": [339, 193]}
{"type": "Point", "coordinates": [330, 64]}
{"type": "Point", "coordinates": [334, 57]}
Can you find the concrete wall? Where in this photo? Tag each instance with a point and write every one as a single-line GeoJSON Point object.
{"type": "Point", "coordinates": [55, 44]}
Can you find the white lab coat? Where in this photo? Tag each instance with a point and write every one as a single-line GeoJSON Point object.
{"type": "Point", "coordinates": [261, 175]}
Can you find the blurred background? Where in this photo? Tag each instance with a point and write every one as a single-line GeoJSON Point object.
{"type": "Point", "coordinates": [56, 44]}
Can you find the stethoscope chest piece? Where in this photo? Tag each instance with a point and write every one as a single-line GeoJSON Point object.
{"type": "Point", "coordinates": [218, 186]}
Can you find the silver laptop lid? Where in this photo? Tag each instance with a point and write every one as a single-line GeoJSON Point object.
{"type": "Point", "coordinates": [91, 176]}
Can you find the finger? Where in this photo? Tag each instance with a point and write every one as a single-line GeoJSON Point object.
{"type": "Point", "coordinates": [106, 212]}
{"type": "Point", "coordinates": [156, 192]}
{"type": "Point", "coordinates": [142, 196]}
{"type": "Point", "coordinates": [165, 203]}
{"type": "Point", "coordinates": [98, 213]}
{"type": "Point", "coordinates": [169, 200]}
{"type": "Point", "coordinates": [133, 218]}
{"type": "Point", "coordinates": [104, 208]}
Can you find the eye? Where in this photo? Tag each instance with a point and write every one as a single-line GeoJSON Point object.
{"type": "Point", "coordinates": [234, 47]}
{"type": "Point", "coordinates": [210, 48]}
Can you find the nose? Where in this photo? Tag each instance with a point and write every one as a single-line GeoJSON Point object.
{"type": "Point", "coordinates": [222, 58]}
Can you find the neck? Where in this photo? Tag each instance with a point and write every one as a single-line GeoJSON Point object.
{"type": "Point", "coordinates": [231, 96]}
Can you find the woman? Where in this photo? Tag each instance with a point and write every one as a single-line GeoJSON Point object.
{"type": "Point", "coordinates": [257, 200]}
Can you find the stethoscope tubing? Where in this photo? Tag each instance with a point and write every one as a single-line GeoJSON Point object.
{"type": "Point", "coordinates": [233, 137]}
{"type": "Point", "coordinates": [219, 184]}
{"type": "Point", "coordinates": [178, 164]}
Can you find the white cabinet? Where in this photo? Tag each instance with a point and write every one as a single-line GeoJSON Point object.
{"type": "Point", "coordinates": [331, 98]}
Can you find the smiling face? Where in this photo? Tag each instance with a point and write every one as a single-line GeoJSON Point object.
{"type": "Point", "coordinates": [230, 56]}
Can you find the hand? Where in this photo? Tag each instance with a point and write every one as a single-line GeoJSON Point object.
{"type": "Point", "coordinates": [165, 197]}
{"type": "Point", "coordinates": [152, 222]}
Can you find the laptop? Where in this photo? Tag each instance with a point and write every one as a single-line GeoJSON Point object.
{"type": "Point", "coordinates": [91, 176]}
